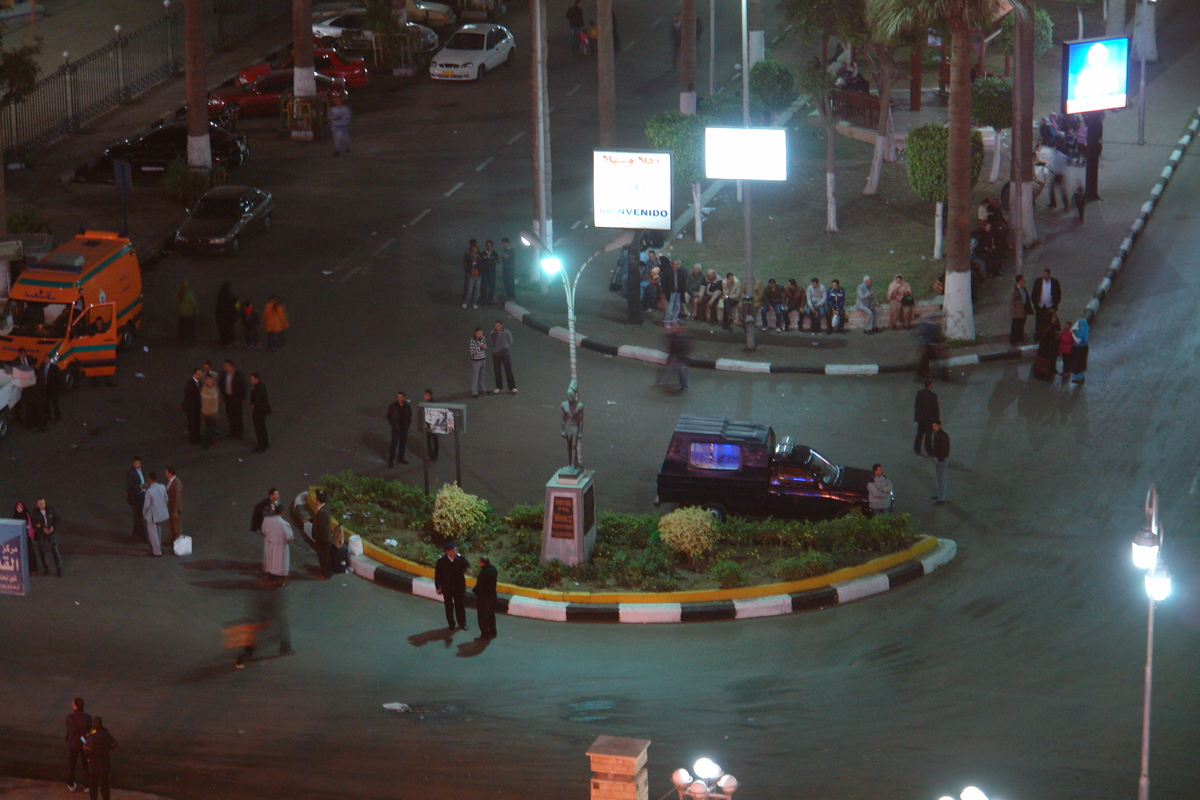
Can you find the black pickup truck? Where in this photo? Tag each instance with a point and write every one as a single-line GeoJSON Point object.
{"type": "Point", "coordinates": [724, 465]}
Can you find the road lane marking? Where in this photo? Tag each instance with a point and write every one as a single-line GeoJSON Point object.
{"type": "Point", "coordinates": [453, 189]}
{"type": "Point", "coordinates": [578, 222]}
{"type": "Point", "coordinates": [575, 89]}
{"type": "Point", "coordinates": [418, 218]}
{"type": "Point", "coordinates": [629, 46]}
{"type": "Point", "coordinates": [514, 139]}
{"type": "Point", "coordinates": [654, 24]}
{"type": "Point", "coordinates": [1195, 480]}
{"type": "Point", "coordinates": [483, 164]}
{"type": "Point", "coordinates": [383, 247]}
{"type": "Point", "coordinates": [350, 274]}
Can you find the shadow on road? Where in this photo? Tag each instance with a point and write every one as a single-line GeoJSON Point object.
{"type": "Point", "coordinates": [443, 635]}
{"type": "Point", "coordinates": [472, 649]}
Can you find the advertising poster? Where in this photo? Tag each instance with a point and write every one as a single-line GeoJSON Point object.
{"type": "Point", "coordinates": [1095, 75]}
{"type": "Point", "coordinates": [632, 189]}
{"type": "Point", "coordinates": [14, 557]}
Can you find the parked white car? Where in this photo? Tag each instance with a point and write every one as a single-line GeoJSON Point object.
{"type": "Point", "coordinates": [472, 51]}
{"type": "Point", "coordinates": [435, 15]}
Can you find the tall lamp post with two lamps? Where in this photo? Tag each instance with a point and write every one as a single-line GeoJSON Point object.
{"type": "Point", "coordinates": [710, 783]}
{"type": "Point", "coordinates": [1147, 555]}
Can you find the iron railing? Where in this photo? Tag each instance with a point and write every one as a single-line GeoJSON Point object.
{"type": "Point", "coordinates": [83, 89]}
{"type": "Point", "coordinates": [856, 108]}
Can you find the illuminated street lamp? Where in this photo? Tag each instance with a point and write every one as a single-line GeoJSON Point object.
{"type": "Point", "coordinates": [552, 265]}
{"type": "Point", "coordinates": [969, 793]}
{"type": "Point", "coordinates": [1147, 552]}
{"type": "Point", "coordinates": [711, 782]}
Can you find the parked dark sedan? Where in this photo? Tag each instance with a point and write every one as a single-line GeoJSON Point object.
{"type": "Point", "coordinates": [219, 219]}
{"type": "Point", "coordinates": [153, 151]}
{"type": "Point", "coordinates": [723, 465]}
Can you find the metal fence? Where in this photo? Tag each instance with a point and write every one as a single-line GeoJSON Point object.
{"type": "Point", "coordinates": [81, 90]}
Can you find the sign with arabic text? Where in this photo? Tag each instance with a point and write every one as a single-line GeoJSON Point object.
{"type": "Point", "coordinates": [14, 557]}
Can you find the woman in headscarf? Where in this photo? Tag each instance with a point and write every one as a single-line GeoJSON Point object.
{"type": "Point", "coordinates": [21, 512]}
{"type": "Point", "coordinates": [1047, 355]}
{"type": "Point", "coordinates": [226, 314]}
{"type": "Point", "coordinates": [1079, 355]}
{"type": "Point", "coordinates": [185, 300]}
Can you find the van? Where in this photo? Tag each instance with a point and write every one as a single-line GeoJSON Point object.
{"type": "Point", "coordinates": [78, 306]}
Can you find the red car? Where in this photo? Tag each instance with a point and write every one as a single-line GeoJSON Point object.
{"type": "Point", "coordinates": [262, 96]}
{"type": "Point", "coordinates": [326, 62]}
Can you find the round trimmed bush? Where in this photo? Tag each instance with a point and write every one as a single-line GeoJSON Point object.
{"type": "Point", "coordinates": [456, 514]}
{"type": "Point", "coordinates": [691, 531]}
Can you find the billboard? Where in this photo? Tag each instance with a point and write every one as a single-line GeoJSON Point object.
{"type": "Point", "coordinates": [745, 154]}
{"type": "Point", "coordinates": [14, 557]}
{"type": "Point", "coordinates": [632, 189]}
{"type": "Point", "coordinates": [1095, 74]}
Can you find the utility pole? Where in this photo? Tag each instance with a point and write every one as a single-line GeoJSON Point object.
{"type": "Point", "coordinates": [199, 148]}
{"type": "Point", "coordinates": [540, 105]}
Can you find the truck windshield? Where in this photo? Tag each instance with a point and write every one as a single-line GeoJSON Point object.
{"type": "Point", "coordinates": [827, 472]}
{"type": "Point", "coordinates": [29, 318]}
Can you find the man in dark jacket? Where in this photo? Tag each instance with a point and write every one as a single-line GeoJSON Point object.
{"type": "Point", "coordinates": [575, 22]}
{"type": "Point", "coordinates": [135, 495]}
{"type": "Point", "coordinates": [485, 598]}
{"type": "Point", "coordinates": [51, 379]}
{"type": "Point", "coordinates": [941, 453]}
{"type": "Point", "coordinates": [399, 417]}
{"type": "Point", "coordinates": [1046, 295]}
{"type": "Point", "coordinates": [191, 404]}
{"type": "Point", "coordinates": [260, 407]}
{"type": "Point", "coordinates": [45, 528]}
{"type": "Point", "coordinates": [256, 516]}
{"type": "Point", "coordinates": [79, 725]}
{"type": "Point", "coordinates": [233, 392]}
{"type": "Point", "coordinates": [925, 413]}
{"type": "Point", "coordinates": [98, 744]}
{"type": "Point", "coordinates": [449, 579]}
{"type": "Point", "coordinates": [322, 533]}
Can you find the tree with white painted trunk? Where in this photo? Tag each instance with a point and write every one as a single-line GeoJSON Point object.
{"type": "Point", "coordinates": [199, 149]}
{"type": "Point", "coordinates": [1026, 38]}
{"type": "Point", "coordinates": [304, 81]}
{"type": "Point", "coordinates": [687, 57]}
{"type": "Point", "coordinates": [992, 107]}
{"type": "Point", "coordinates": [885, 71]}
{"type": "Point", "coordinates": [818, 83]}
{"type": "Point", "coordinates": [683, 136]}
{"type": "Point", "coordinates": [1079, 4]}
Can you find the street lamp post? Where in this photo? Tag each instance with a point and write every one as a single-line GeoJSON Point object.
{"type": "Point", "coordinates": [748, 289]}
{"type": "Point", "coordinates": [1147, 555]}
{"type": "Point", "coordinates": [1142, 74]}
{"type": "Point", "coordinates": [711, 782]}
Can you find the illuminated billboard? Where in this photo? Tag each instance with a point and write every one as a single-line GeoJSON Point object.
{"type": "Point", "coordinates": [1095, 74]}
{"type": "Point", "coordinates": [749, 154]}
{"type": "Point", "coordinates": [631, 189]}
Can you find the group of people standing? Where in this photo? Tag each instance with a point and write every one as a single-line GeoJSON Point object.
{"type": "Point", "coordinates": [399, 416]}
{"type": "Point", "coordinates": [479, 272]}
{"type": "Point", "coordinates": [41, 528]}
{"type": "Point", "coordinates": [450, 582]}
{"type": "Point", "coordinates": [229, 311]}
{"type": "Point", "coordinates": [206, 391]}
{"type": "Point", "coordinates": [499, 341]}
{"type": "Point", "coordinates": [153, 503]}
{"type": "Point", "coordinates": [1062, 347]}
{"type": "Point", "coordinates": [88, 744]}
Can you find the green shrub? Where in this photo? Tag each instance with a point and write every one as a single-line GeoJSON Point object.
{"type": "Point", "coordinates": [587, 572]}
{"type": "Point", "coordinates": [654, 560]}
{"type": "Point", "coordinates": [691, 531]}
{"type": "Point", "coordinates": [625, 530]}
{"type": "Point", "coordinates": [185, 185]}
{"type": "Point", "coordinates": [27, 220]}
{"type": "Point", "coordinates": [657, 583]}
{"type": "Point", "coordinates": [805, 565]}
{"type": "Point", "coordinates": [420, 552]}
{"type": "Point", "coordinates": [457, 514]}
{"type": "Point", "coordinates": [729, 574]}
{"type": "Point", "coordinates": [527, 515]}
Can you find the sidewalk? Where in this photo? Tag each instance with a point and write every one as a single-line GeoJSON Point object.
{"type": "Point", "coordinates": [21, 789]}
{"type": "Point", "coordinates": [1078, 256]}
{"type": "Point", "coordinates": [80, 26]}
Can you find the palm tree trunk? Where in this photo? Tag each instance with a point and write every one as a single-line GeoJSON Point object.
{"type": "Point", "coordinates": [199, 149]}
{"type": "Point", "coordinates": [959, 315]}
{"type": "Point", "coordinates": [606, 94]}
{"type": "Point", "coordinates": [304, 82]}
{"type": "Point", "coordinates": [687, 57]}
{"type": "Point", "coordinates": [1021, 210]}
{"type": "Point", "coordinates": [697, 203]}
{"type": "Point", "coordinates": [1115, 22]}
{"type": "Point", "coordinates": [997, 146]}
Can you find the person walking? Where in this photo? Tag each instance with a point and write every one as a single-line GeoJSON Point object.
{"type": "Point", "coordinates": [508, 269]}
{"type": "Point", "coordinates": [478, 350]}
{"type": "Point", "coordinates": [226, 314]}
{"type": "Point", "coordinates": [1079, 356]}
{"type": "Point", "coordinates": [233, 393]}
{"type": "Point", "coordinates": [135, 494]}
{"type": "Point", "coordinates": [679, 346]}
{"type": "Point", "coordinates": [925, 412]}
{"type": "Point", "coordinates": [449, 581]}
{"type": "Point", "coordinates": [485, 599]}
{"type": "Point", "coordinates": [1019, 309]}
{"type": "Point", "coordinates": [191, 404]}
{"type": "Point", "coordinates": [260, 509]}
{"type": "Point", "coordinates": [268, 611]}
{"type": "Point", "coordinates": [575, 22]}
{"type": "Point", "coordinates": [500, 340]}
{"type": "Point", "coordinates": [51, 380]}
{"type": "Point", "coordinates": [865, 302]}
{"type": "Point", "coordinates": [45, 530]}
{"type": "Point", "coordinates": [432, 444]}
{"type": "Point", "coordinates": [210, 404]}
{"type": "Point", "coordinates": [186, 309]}
{"type": "Point", "coordinates": [1047, 294]}
{"type": "Point", "coordinates": [174, 506]}
{"type": "Point", "coordinates": [488, 261]}
{"type": "Point", "coordinates": [941, 452]}
{"type": "Point", "coordinates": [339, 122]}
{"type": "Point", "coordinates": [79, 724]}
{"type": "Point", "coordinates": [277, 553]}
{"type": "Point", "coordinates": [97, 746]}
{"type": "Point", "coordinates": [155, 510]}
{"type": "Point", "coordinates": [880, 494]}
{"type": "Point", "coordinates": [322, 533]}
{"type": "Point", "coordinates": [260, 409]}
{"type": "Point", "coordinates": [399, 417]}
{"type": "Point", "coordinates": [275, 322]}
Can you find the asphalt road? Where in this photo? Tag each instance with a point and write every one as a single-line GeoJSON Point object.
{"type": "Point", "coordinates": [1017, 668]}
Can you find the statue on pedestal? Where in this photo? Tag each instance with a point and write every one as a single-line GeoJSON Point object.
{"type": "Point", "coordinates": [572, 426]}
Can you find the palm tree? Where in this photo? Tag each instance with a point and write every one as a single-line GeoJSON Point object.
{"type": "Point", "coordinates": [304, 81]}
{"type": "Point", "coordinates": [199, 149]}
{"type": "Point", "coordinates": [606, 79]}
{"type": "Point", "coordinates": [890, 18]}
{"type": "Point", "coordinates": [687, 57]}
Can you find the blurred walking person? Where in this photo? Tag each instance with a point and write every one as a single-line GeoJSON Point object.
{"type": "Point", "coordinates": [226, 314]}
{"type": "Point", "coordinates": [260, 409]}
{"type": "Point", "coordinates": [186, 310]}
{"type": "Point", "coordinates": [432, 443]}
{"type": "Point", "coordinates": [339, 122]}
{"type": "Point", "coordinates": [322, 533]}
{"type": "Point", "coordinates": [275, 322]}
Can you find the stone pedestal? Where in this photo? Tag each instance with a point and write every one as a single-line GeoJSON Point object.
{"type": "Point", "coordinates": [569, 526]}
{"type": "Point", "coordinates": [619, 768]}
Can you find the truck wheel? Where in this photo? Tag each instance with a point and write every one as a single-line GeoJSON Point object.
{"type": "Point", "coordinates": [716, 510]}
{"type": "Point", "coordinates": [125, 337]}
{"type": "Point", "coordinates": [4, 414]}
{"type": "Point", "coordinates": [70, 378]}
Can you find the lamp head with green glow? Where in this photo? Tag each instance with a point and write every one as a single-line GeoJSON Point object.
{"type": "Point", "coordinates": [1158, 583]}
{"type": "Point", "coordinates": [551, 265]}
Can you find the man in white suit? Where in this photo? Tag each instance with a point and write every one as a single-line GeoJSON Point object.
{"type": "Point", "coordinates": [155, 511]}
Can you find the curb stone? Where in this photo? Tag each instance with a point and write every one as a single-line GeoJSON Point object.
{"type": "Point", "coordinates": [708, 611]}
